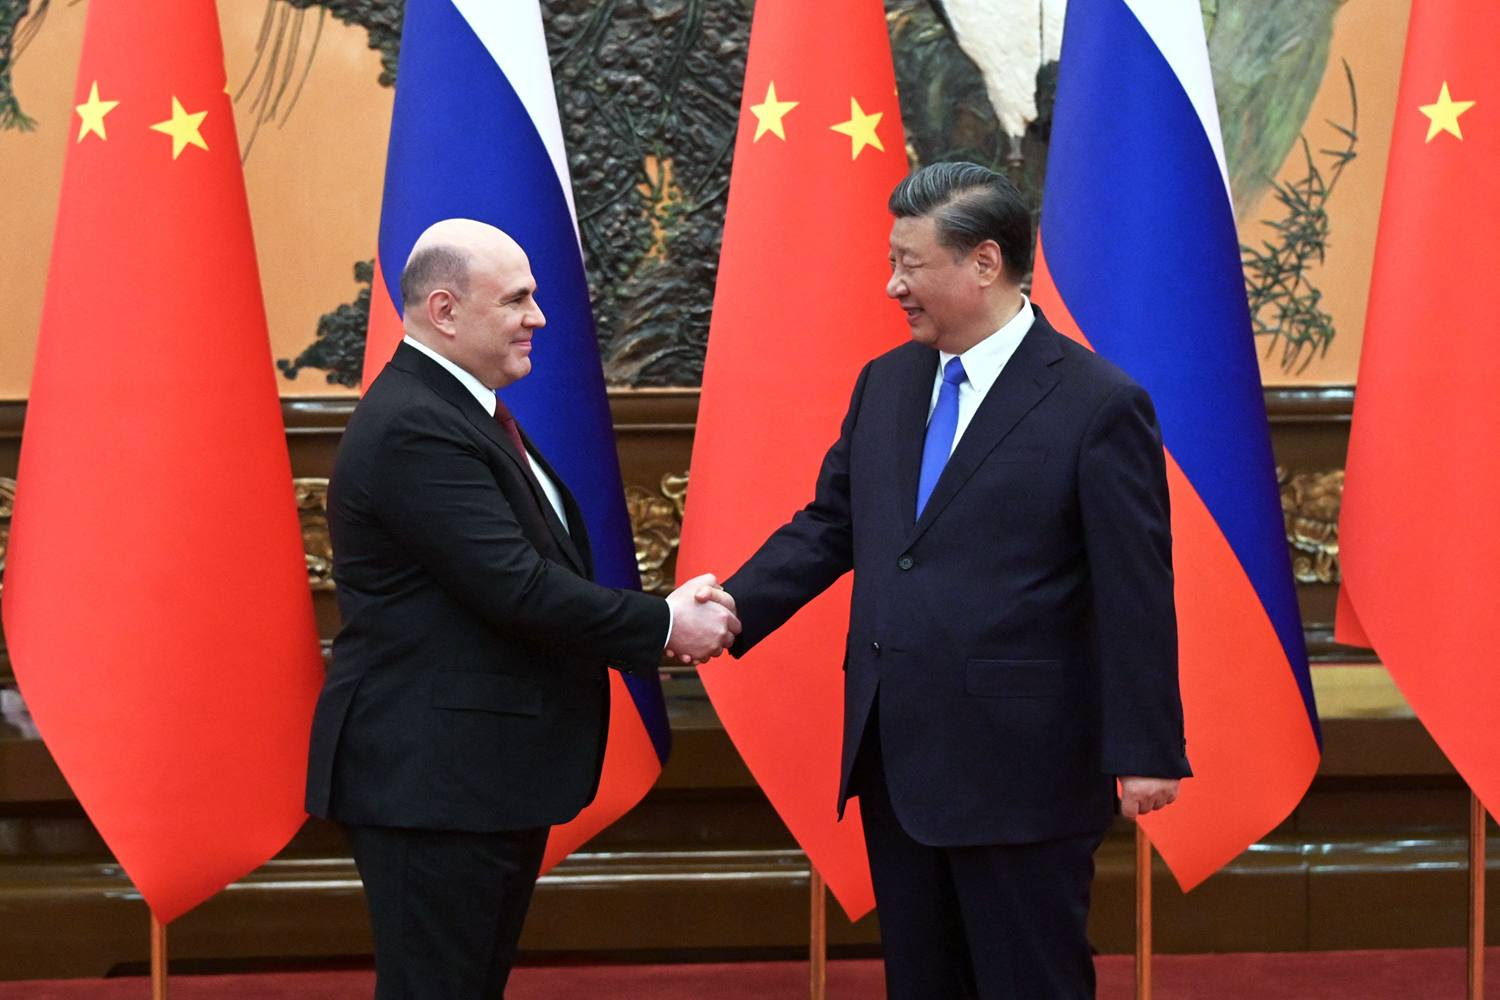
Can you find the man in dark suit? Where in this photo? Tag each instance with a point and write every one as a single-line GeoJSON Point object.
{"type": "Point", "coordinates": [1000, 494]}
{"type": "Point", "coordinates": [467, 703]}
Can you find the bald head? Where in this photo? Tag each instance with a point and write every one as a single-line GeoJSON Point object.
{"type": "Point", "coordinates": [442, 255]}
{"type": "Point", "coordinates": [467, 293]}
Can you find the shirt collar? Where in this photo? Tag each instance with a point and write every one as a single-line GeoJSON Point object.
{"type": "Point", "coordinates": [482, 393]}
{"type": "Point", "coordinates": [984, 361]}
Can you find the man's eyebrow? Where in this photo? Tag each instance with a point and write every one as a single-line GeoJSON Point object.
{"type": "Point", "coordinates": [516, 291]}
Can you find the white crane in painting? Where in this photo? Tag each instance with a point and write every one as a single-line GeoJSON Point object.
{"type": "Point", "coordinates": [1009, 40]}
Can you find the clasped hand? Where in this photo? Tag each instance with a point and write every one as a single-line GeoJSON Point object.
{"type": "Point", "coordinates": [703, 620]}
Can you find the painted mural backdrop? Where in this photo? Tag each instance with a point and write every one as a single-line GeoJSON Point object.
{"type": "Point", "coordinates": [649, 91]}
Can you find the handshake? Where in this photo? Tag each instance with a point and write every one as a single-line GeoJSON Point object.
{"type": "Point", "coordinates": [703, 620]}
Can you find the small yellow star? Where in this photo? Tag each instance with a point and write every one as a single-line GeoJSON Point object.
{"type": "Point", "coordinates": [183, 128]}
{"type": "Point", "coordinates": [769, 113]}
{"type": "Point", "coordinates": [91, 114]}
{"type": "Point", "coordinates": [1443, 115]}
{"type": "Point", "coordinates": [860, 128]}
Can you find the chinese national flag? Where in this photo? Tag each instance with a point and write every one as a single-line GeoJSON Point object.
{"type": "Point", "coordinates": [1420, 530]}
{"type": "Point", "coordinates": [800, 306]}
{"type": "Point", "coordinates": [156, 601]}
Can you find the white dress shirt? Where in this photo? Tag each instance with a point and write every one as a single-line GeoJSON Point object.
{"type": "Point", "coordinates": [486, 398]}
{"type": "Point", "coordinates": [982, 365]}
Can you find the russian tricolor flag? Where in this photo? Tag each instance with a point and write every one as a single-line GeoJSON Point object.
{"type": "Point", "coordinates": [475, 134]}
{"type": "Point", "coordinates": [1139, 259]}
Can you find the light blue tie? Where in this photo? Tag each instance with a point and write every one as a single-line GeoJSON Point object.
{"type": "Point", "coordinates": [940, 431]}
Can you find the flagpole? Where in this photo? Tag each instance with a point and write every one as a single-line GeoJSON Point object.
{"type": "Point", "coordinates": [817, 941]}
{"type": "Point", "coordinates": [158, 959]}
{"type": "Point", "coordinates": [1142, 915]}
{"type": "Point", "coordinates": [1476, 896]}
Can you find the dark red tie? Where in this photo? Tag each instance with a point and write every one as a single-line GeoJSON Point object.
{"type": "Point", "coordinates": [504, 419]}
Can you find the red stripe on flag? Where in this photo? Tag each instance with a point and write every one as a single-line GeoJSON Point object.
{"type": "Point", "coordinates": [630, 769]}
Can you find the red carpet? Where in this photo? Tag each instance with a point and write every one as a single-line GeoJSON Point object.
{"type": "Point", "coordinates": [1426, 974]}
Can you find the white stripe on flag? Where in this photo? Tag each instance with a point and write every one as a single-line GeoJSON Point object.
{"type": "Point", "coordinates": [1176, 26]}
{"type": "Point", "coordinates": [511, 31]}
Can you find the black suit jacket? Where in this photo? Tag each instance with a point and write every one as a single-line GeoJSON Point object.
{"type": "Point", "coordinates": [467, 689]}
{"type": "Point", "coordinates": [1021, 634]}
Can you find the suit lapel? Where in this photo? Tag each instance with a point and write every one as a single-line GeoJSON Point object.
{"type": "Point", "coordinates": [575, 543]}
{"type": "Point", "coordinates": [1024, 382]}
{"type": "Point", "coordinates": [910, 415]}
{"type": "Point", "coordinates": [414, 362]}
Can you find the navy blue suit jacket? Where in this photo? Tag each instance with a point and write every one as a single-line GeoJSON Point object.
{"type": "Point", "coordinates": [1021, 634]}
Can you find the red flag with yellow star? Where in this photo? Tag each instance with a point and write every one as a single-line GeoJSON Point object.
{"type": "Point", "coordinates": [799, 308]}
{"type": "Point", "coordinates": [1420, 529]}
{"type": "Point", "coordinates": [156, 601]}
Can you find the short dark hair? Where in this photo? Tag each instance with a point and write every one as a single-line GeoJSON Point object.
{"type": "Point", "coordinates": [970, 204]}
{"type": "Point", "coordinates": [433, 267]}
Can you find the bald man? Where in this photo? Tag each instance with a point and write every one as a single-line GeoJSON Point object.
{"type": "Point", "coordinates": [466, 705]}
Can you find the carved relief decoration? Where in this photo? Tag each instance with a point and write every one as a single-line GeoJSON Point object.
{"type": "Point", "coordinates": [317, 547]}
{"type": "Point", "coordinates": [1310, 504]}
{"type": "Point", "coordinates": [656, 523]}
{"type": "Point", "coordinates": [7, 508]}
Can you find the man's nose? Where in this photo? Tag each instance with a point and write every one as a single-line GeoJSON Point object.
{"type": "Point", "coordinates": [896, 287]}
{"type": "Point", "coordinates": [538, 319]}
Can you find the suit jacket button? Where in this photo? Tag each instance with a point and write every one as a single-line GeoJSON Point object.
{"type": "Point", "coordinates": [906, 562]}
{"type": "Point", "coordinates": [875, 648]}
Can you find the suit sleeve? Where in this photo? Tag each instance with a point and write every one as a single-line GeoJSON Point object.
{"type": "Point", "coordinates": [806, 555]}
{"type": "Point", "coordinates": [438, 498]}
{"type": "Point", "coordinates": [1128, 539]}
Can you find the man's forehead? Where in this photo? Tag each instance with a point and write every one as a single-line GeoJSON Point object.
{"type": "Point", "coordinates": [515, 281]}
{"type": "Point", "coordinates": [912, 232]}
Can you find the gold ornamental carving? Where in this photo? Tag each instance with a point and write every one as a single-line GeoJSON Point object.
{"type": "Point", "coordinates": [1310, 504]}
{"type": "Point", "coordinates": [656, 523]}
{"type": "Point", "coordinates": [317, 546]}
{"type": "Point", "coordinates": [7, 508]}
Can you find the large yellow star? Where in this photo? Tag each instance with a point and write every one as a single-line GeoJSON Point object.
{"type": "Point", "coordinates": [769, 113]}
{"type": "Point", "coordinates": [1443, 115]}
{"type": "Point", "coordinates": [860, 128]}
{"type": "Point", "coordinates": [91, 114]}
{"type": "Point", "coordinates": [183, 128]}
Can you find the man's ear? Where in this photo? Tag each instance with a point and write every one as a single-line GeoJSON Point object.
{"type": "Point", "coordinates": [988, 262]}
{"type": "Point", "coordinates": [440, 303]}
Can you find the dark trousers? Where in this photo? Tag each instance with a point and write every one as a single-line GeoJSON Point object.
{"type": "Point", "coordinates": [446, 908]}
{"type": "Point", "coordinates": [1001, 921]}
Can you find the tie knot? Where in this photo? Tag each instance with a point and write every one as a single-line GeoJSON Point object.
{"type": "Point", "coordinates": [953, 371]}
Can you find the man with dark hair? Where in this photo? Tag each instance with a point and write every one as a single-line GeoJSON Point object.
{"type": "Point", "coordinates": [1000, 494]}
{"type": "Point", "coordinates": [466, 706]}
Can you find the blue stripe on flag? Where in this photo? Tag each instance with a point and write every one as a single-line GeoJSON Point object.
{"type": "Point", "coordinates": [463, 145]}
{"type": "Point", "coordinates": [1148, 263]}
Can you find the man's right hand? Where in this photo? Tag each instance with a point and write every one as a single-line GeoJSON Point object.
{"type": "Point", "coordinates": [703, 624]}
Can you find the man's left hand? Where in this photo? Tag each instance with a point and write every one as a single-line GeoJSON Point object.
{"type": "Point", "coordinates": [1138, 796]}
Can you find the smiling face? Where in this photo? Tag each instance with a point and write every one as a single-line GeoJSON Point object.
{"type": "Point", "coordinates": [942, 293]}
{"type": "Point", "coordinates": [492, 324]}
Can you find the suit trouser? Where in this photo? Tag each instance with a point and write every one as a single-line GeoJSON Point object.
{"type": "Point", "coordinates": [1000, 921]}
{"type": "Point", "coordinates": [446, 908]}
